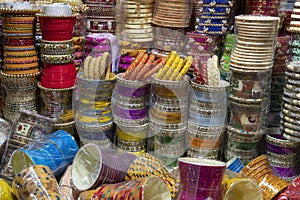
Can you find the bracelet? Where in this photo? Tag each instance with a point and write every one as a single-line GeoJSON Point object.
{"type": "Point", "coordinates": [57, 59]}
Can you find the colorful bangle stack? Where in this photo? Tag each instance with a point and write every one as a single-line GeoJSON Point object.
{"type": "Point", "coordinates": [213, 17]}
{"type": "Point", "coordinates": [173, 14]}
{"type": "Point", "coordinates": [225, 60]}
{"type": "Point", "coordinates": [201, 47]}
{"type": "Point", "coordinates": [207, 119]}
{"type": "Point", "coordinates": [100, 17]}
{"type": "Point", "coordinates": [290, 111]}
{"type": "Point", "coordinates": [249, 100]}
{"type": "Point", "coordinates": [281, 154]}
{"type": "Point", "coordinates": [131, 114]}
{"type": "Point", "coordinates": [278, 72]}
{"type": "Point", "coordinates": [265, 7]}
{"type": "Point", "coordinates": [37, 181]}
{"type": "Point", "coordinates": [259, 170]}
{"type": "Point", "coordinates": [18, 37]}
{"type": "Point", "coordinates": [27, 127]}
{"type": "Point", "coordinates": [245, 146]}
{"type": "Point", "coordinates": [168, 120]}
{"type": "Point", "coordinates": [21, 92]}
{"type": "Point", "coordinates": [93, 115]}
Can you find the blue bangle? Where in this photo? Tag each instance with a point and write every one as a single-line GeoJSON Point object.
{"type": "Point", "coordinates": [224, 15]}
{"type": "Point", "coordinates": [211, 21]}
{"type": "Point", "coordinates": [209, 10]}
{"type": "Point", "coordinates": [213, 28]}
{"type": "Point", "coordinates": [216, 2]}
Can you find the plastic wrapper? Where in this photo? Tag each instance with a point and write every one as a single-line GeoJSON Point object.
{"type": "Point", "coordinates": [96, 44]}
{"type": "Point", "coordinates": [93, 114]}
{"type": "Point", "coordinates": [238, 188]}
{"type": "Point", "coordinates": [196, 177]}
{"type": "Point", "coordinates": [130, 111]}
{"type": "Point", "coordinates": [5, 131]}
{"type": "Point", "coordinates": [28, 127]}
{"type": "Point", "coordinates": [282, 154]}
{"type": "Point", "coordinates": [56, 151]}
{"type": "Point", "coordinates": [36, 182]}
{"type": "Point", "coordinates": [66, 185]}
{"type": "Point", "coordinates": [149, 188]}
{"type": "Point", "coordinates": [94, 166]}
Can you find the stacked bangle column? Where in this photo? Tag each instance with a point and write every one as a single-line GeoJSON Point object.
{"type": "Point", "coordinates": [278, 77]}
{"type": "Point", "coordinates": [171, 20]}
{"type": "Point", "coordinates": [249, 99]}
{"type": "Point", "coordinates": [282, 154]}
{"type": "Point", "coordinates": [213, 17]}
{"type": "Point", "coordinates": [265, 7]}
{"type": "Point", "coordinates": [94, 119]}
{"type": "Point", "coordinates": [20, 69]}
{"type": "Point", "coordinates": [134, 26]}
{"type": "Point", "coordinates": [225, 59]}
{"type": "Point", "coordinates": [169, 110]}
{"type": "Point", "coordinates": [290, 108]}
{"type": "Point", "coordinates": [207, 119]}
{"type": "Point", "coordinates": [130, 111]}
{"type": "Point", "coordinates": [59, 74]}
{"type": "Point", "coordinates": [100, 16]}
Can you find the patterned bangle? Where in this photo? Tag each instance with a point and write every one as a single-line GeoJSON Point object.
{"type": "Point", "coordinates": [57, 59]}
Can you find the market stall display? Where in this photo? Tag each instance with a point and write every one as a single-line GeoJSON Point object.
{"type": "Point", "coordinates": [187, 101]}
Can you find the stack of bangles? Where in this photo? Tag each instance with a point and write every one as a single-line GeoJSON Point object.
{"type": "Point", "coordinates": [20, 56]}
{"type": "Point", "coordinates": [213, 17]}
{"type": "Point", "coordinates": [131, 114]}
{"type": "Point", "coordinates": [265, 7]}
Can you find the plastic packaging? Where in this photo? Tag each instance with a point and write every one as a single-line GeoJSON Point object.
{"type": "Point", "coordinates": [238, 188]}
{"type": "Point", "coordinates": [28, 127]}
{"type": "Point", "coordinates": [66, 185]}
{"type": "Point", "coordinates": [56, 151]}
{"type": "Point", "coordinates": [36, 183]}
{"type": "Point", "coordinates": [147, 188]}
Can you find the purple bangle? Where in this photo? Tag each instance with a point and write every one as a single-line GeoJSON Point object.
{"type": "Point", "coordinates": [132, 92]}
{"type": "Point", "coordinates": [284, 172]}
{"type": "Point", "coordinates": [127, 59]}
{"type": "Point", "coordinates": [78, 55]}
{"type": "Point", "coordinates": [130, 114]}
{"type": "Point", "coordinates": [279, 150]}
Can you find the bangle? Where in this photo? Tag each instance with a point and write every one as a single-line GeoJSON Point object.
{"type": "Point", "coordinates": [57, 59]}
{"type": "Point", "coordinates": [161, 125]}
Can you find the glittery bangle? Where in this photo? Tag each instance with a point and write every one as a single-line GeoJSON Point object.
{"type": "Point", "coordinates": [57, 59]}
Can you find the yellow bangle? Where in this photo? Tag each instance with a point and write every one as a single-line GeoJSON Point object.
{"type": "Point", "coordinates": [130, 136]}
